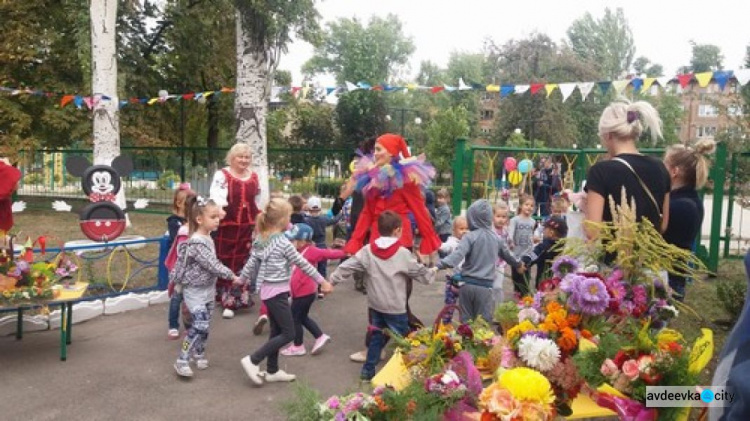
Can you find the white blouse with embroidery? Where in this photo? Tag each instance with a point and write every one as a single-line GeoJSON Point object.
{"type": "Point", "coordinates": [219, 190]}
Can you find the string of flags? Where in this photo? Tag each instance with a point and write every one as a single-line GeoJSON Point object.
{"type": "Point", "coordinates": [721, 78]}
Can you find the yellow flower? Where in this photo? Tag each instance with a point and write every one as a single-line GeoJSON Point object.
{"type": "Point", "coordinates": [520, 329]}
{"type": "Point", "coordinates": [415, 342]}
{"type": "Point", "coordinates": [6, 294]}
{"type": "Point", "coordinates": [456, 346]}
{"type": "Point", "coordinates": [483, 334]}
{"type": "Point", "coordinates": [527, 385]}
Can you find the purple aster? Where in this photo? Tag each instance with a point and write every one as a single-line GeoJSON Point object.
{"type": "Point", "coordinates": [538, 301]}
{"type": "Point", "coordinates": [333, 402]}
{"type": "Point", "coordinates": [564, 265]}
{"type": "Point", "coordinates": [640, 297]}
{"type": "Point", "coordinates": [616, 275]}
{"type": "Point", "coordinates": [23, 265]}
{"type": "Point", "coordinates": [590, 297]}
{"type": "Point", "coordinates": [340, 416]}
{"type": "Point", "coordinates": [616, 290]}
{"type": "Point", "coordinates": [535, 333]}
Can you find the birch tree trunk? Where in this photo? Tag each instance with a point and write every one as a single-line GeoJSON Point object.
{"type": "Point", "coordinates": [254, 71]}
{"type": "Point", "coordinates": [104, 84]}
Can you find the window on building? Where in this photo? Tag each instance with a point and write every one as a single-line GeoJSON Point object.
{"type": "Point", "coordinates": [735, 110]}
{"type": "Point", "coordinates": [487, 96]}
{"type": "Point", "coordinates": [487, 114]}
{"type": "Point", "coordinates": [486, 131]}
{"type": "Point", "coordinates": [707, 110]}
{"type": "Point", "coordinates": [706, 131]}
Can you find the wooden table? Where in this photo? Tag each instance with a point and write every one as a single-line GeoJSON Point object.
{"type": "Point", "coordinates": [65, 300]}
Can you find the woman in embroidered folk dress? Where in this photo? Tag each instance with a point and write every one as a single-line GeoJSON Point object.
{"type": "Point", "coordinates": [388, 182]}
{"type": "Point", "coordinates": [645, 178]}
{"type": "Point", "coordinates": [235, 188]}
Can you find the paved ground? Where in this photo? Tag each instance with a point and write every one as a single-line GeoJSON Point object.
{"type": "Point", "coordinates": [120, 367]}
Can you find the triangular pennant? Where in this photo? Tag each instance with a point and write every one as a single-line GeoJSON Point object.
{"type": "Point", "coordinates": [704, 78]}
{"type": "Point", "coordinates": [436, 89]}
{"type": "Point", "coordinates": [620, 85]}
{"type": "Point", "coordinates": [521, 89]}
{"type": "Point", "coordinates": [450, 88]}
{"type": "Point", "coordinates": [664, 81]}
{"type": "Point", "coordinates": [188, 97]}
{"type": "Point", "coordinates": [226, 90]}
{"type": "Point", "coordinates": [506, 90]}
{"type": "Point", "coordinates": [743, 76]}
{"type": "Point", "coordinates": [412, 86]}
{"type": "Point", "coordinates": [478, 87]}
{"type": "Point", "coordinates": [78, 101]}
{"type": "Point", "coordinates": [647, 82]}
{"type": "Point", "coordinates": [462, 86]}
{"type": "Point", "coordinates": [329, 90]}
{"type": "Point", "coordinates": [566, 89]}
{"type": "Point", "coordinates": [585, 89]}
{"type": "Point", "coordinates": [377, 88]}
{"type": "Point", "coordinates": [636, 83]}
{"type": "Point", "coordinates": [536, 87]}
{"type": "Point", "coordinates": [550, 87]}
{"type": "Point", "coordinates": [349, 87]}
{"type": "Point", "coordinates": [305, 91]}
{"type": "Point", "coordinates": [685, 79]}
{"type": "Point", "coordinates": [722, 77]}
{"type": "Point", "coordinates": [493, 88]}
{"type": "Point", "coordinates": [123, 103]}
{"type": "Point", "coordinates": [143, 100]}
{"type": "Point", "coordinates": [152, 101]}
{"type": "Point", "coordinates": [364, 85]}
{"type": "Point", "coordinates": [66, 99]}
{"type": "Point", "coordinates": [604, 86]}
{"type": "Point", "coordinates": [208, 93]}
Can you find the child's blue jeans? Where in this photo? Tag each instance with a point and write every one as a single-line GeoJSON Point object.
{"type": "Point", "coordinates": [174, 310]}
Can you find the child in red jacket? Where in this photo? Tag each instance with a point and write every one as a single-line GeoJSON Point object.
{"type": "Point", "coordinates": [304, 290]}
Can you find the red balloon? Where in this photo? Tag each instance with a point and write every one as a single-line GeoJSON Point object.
{"type": "Point", "coordinates": [510, 164]}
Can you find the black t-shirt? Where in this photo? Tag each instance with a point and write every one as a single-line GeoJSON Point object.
{"type": "Point", "coordinates": [609, 177]}
{"type": "Point", "coordinates": [685, 217]}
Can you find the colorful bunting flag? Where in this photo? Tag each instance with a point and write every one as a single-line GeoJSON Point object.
{"type": "Point", "coordinates": [566, 89]}
{"type": "Point", "coordinates": [684, 79]}
{"type": "Point", "coordinates": [506, 90]}
{"type": "Point", "coordinates": [636, 83]}
{"type": "Point", "coordinates": [550, 87]}
{"type": "Point", "coordinates": [647, 82]}
{"type": "Point", "coordinates": [604, 86]}
{"type": "Point", "coordinates": [521, 89]}
{"type": "Point", "coordinates": [703, 78]}
{"type": "Point", "coordinates": [463, 86]}
{"type": "Point", "coordinates": [743, 76]}
{"type": "Point", "coordinates": [536, 87]}
{"type": "Point", "coordinates": [620, 85]}
{"type": "Point", "coordinates": [585, 88]}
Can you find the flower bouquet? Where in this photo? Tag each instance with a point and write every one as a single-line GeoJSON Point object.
{"type": "Point", "coordinates": [23, 280]}
{"type": "Point", "coordinates": [518, 394]}
{"type": "Point", "coordinates": [622, 366]}
{"type": "Point", "coordinates": [445, 395]}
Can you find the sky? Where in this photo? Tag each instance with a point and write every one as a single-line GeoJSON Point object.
{"type": "Point", "coordinates": [662, 29]}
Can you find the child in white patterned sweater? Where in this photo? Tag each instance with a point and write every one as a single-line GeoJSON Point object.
{"type": "Point", "coordinates": [196, 270]}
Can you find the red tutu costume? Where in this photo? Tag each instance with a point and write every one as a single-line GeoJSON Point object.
{"type": "Point", "coordinates": [9, 177]}
{"type": "Point", "coordinates": [394, 187]}
{"type": "Point", "coordinates": [235, 235]}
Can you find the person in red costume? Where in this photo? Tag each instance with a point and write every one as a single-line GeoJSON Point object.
{"type": "Point", "coordinates": [392, 183]}
{"type": "Point", "coordinates": [9, 177]}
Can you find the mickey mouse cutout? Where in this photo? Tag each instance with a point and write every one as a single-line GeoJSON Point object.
{"type": "Point", "coordinates": [103, 219]}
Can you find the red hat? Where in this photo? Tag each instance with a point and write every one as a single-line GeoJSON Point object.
{"type": "Point", "coordinates": [394, 144]}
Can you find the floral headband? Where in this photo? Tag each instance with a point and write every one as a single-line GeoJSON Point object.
{"type": "Point", "coordinates": [184, 186]}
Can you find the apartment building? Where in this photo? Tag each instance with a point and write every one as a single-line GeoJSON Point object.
{"type": "Point", "coordinates": [708, 110]}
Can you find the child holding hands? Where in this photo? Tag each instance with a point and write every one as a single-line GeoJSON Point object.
{"type": "Point", "coordinates": [269, 270]}
{"type": "Point", "coordinates": [197, 269]}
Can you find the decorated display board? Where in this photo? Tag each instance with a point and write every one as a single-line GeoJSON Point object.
{"type": "Point", "coordinates": [102, 219]}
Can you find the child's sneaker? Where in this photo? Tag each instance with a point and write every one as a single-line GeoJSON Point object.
{"type": "Point", "coordinates": [294, 351]}
{"type": "Point", "coordinates": [259, 324]}
{"type": "Point", "coordinates": [320, 343]}
{"type": "Point", "coordinates": [183, 368]}
{"type": "Point", "coordinates": [252, 370]}
{"type": "Point", "coordinates": [201, 362]}
{"type": "Point", "coordinates": [228, 313]}
{"type": "Point", "coordinates": [173, 334]}
{"type": "Point", "coordinates": [280, 376]}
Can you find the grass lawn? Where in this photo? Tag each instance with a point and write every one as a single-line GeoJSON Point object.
{"type": "Point", "coordinates": [107, 272]}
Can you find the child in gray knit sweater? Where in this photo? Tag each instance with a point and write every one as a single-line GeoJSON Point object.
{"type": "Point", "coordinates": [196, 270]}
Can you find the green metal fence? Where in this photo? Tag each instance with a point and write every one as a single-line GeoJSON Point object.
{"type": "Point", "coordinates": [157, 171]}
{"type": "Point", "coordinates": [478, 173]}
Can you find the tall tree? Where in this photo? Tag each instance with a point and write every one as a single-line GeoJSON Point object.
{"type": "Point", "coordinates": [104, 82]}
{"type": "Point", "coordinates": [264, 29]}
{"type": "Point", "coordinates": [606, 43]}
{"type": "Point", "coordinates": [644, 66]}
{"type": "Point", "coordinates": [706, 58]}
{"type": "Point", "coordinates": [353, 52]}
{"type": "Point", "coordinates": [430, 74]}
{"type": "Point", "coordinates": [442, 131]}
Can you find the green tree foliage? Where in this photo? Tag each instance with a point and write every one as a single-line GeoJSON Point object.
{"type": "Point", "coordinates": [360, 114]}
{"type": "Point", "coordinates": [706, 58]}
{"type": "Point", "coordinates": [442, 132]}
{"type": "Point", "coordinates": [38, 51]}
{"type": "Point", "coordinates": [671, 113]}
{"type": "Point", "coordinates": [606, 43]}
{"type": "Point", "coordinates": [643, 66]}
{"type": "Point", "coordinates": [354, 52]}
{"type": "Point", "coordinates": [544, 121]}
{"type": "Point", "coordinates": [430, 74]}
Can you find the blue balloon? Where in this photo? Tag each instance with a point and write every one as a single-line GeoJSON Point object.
{"type": "Point", "coordinates": [525, 166]}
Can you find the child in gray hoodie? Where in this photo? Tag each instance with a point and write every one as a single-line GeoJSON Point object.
{"type": "Point", "coordinates": [479, 250]}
